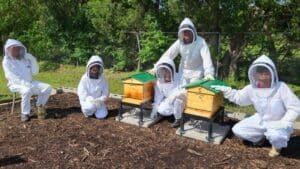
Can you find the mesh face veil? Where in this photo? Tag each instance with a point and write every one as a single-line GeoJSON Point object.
{"type": "Point", "coordinates": [21, 53]}
{"type": "Point", "coordinates": [262, 76]}
{"type": "Point", "coordinates": [164, 73]}
{"type": "Point", "coordinates": [97, 76]}
{"type": "Point", "coordinates": [186, 35]}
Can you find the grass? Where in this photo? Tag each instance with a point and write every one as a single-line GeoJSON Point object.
{"type": "Point", "coordinates": [69, 76]}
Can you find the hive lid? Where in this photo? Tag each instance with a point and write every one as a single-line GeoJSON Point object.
{"type": "Point", "coordinates": [143, 77]}
{"type": "Point", "coordinates": [206, 84]}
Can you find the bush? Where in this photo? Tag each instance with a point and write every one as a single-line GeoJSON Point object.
{"type": "Point", "coordinates": [48, 66]}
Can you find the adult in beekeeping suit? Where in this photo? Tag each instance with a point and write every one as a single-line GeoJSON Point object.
{"type": "Point", "coordinates": [276, 105]}
{"type": "Point", "coordinates": [195, 62]}
{"type": "Point", "coordinates": [169, 97]}
{"type": "Point", "coordinates": [19, 67]}
{"type": "Point", "coordinates": [93, 89]}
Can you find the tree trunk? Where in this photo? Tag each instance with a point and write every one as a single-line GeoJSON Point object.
{"type": "Point", "coordinates": [229, 62]}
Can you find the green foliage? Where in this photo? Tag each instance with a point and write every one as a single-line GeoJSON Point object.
{"type": "Point", "coordinates": [48, 66]}
{"type": "Point", "coordinates": [153, 44]}
{"type": "Point", "coordinates": [66, 31]}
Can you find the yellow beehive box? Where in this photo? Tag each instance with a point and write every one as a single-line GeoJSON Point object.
{"type": "Point", "coordinates": [138, 88]}
{"type": "Point", "coordinates": [202, 100]}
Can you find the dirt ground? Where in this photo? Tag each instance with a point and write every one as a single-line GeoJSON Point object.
{"type": "Point", "coordinates": [66, 139]}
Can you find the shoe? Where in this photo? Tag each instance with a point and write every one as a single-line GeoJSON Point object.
{"type": "Point", "coordinates": [176, 123]}
{"type": "Point", "coordinates": [41, 112]}
{"type": "Point", "coordinates": [156, 120]}
{"type": "Point", "coordinates": [274, 152]}
{"type": "Point", "coordinates": [24, 117]}
{"type": "Point", "coordinates": [85, 115]}
{"type": "Point", "coordinates": [260, 143]}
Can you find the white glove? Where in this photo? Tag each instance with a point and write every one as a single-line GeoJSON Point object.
{"type": "Point", "coordinates": [89, 99]}
{"type": "Point", "coordinates": [290, 116]}
{"type": "Point", "coordinates": [99, 102]}
{"type": "Point", "coordinates": [179, 93]}
{"type": "Point", "coordinates": [151, 71]}
{"type": "Point", "coordinates": [172, 97]}
{"type": "Point", "coordinates": [224, 89]}
{"type": "Point", "coordinates": [101, 99]}
{"type": "Point", "coordinates": [209, 77]}
{"type": "Point", "coordinates": [33, 63]}
{"type": "Point", "coordinates": [280, 124]}
{"type": "Point", "coordinates": [26, 84]}
{"type": "Point", "coordinates": [153, 114]}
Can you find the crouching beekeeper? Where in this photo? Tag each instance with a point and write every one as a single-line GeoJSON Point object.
{"type": "Point", "coordinates": [195, 63]}
{"type": "Point", "coordinates": [19, 67]}
{"type": "Point", "coordinates": [169, 97]}
{"type": "Point", "coordinates": [276, 105]}
{"type": "Point", "coordinates": [93, 89]}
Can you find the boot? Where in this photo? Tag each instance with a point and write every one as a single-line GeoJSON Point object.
{"type": "Point", "coordinates": [41, 112]}
{"type": "Point", "coordinates": [156, 120]}
{"type": "Point", "coordinates": [176, 123]}
{"type": "Point", "coordinates": [260, 143]}
{"type": "Point", "coordinates": [25, 117]}
{"type": "Point", "coordinates": [274, 152]}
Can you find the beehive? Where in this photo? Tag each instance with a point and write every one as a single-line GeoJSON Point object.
{"type": "Point", "coordinates": [138, 88]}
{"type": "Point", "coordinates": [202, 100]}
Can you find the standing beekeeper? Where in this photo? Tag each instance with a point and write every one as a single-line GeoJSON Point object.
{"type": "Point", "coordinates": [93, 89]}
{"type": "Point", "coordinates": [169, 97]}
{"type": "Point", "coordinates": [276, 105]}
{"type": "Point", "coordinates": [19, 67]}
{"type": "Point", "coordinates": [195, 62]}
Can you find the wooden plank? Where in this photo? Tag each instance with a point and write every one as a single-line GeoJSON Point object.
{"type": "Point", "coordinates": [200, 113]}
{"type": "Point", "coordinates": [201, 90]}
{"type": "Point", "coordinates": [132, 81]}
{"type": "Point", "coordinates": [133, 101]}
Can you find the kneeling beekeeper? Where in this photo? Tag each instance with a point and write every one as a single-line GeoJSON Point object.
{"type": "Point", "coordinates": [169, 97]}
{"type": "Point", "coordinates": [93, 89]}
{"type": "Point", "coordinates": [276, 105]}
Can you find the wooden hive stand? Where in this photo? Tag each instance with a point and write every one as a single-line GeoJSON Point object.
{"type": "Point", "coordinates": [138, 91]}
{"type": "Point", "coordinates": [204, 103]}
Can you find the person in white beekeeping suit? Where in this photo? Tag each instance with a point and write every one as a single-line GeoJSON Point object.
{"type": "Point", "coordinates": [195, 63]}
{"type": "Point", "coordinates": [19, 67]}
{"type": "Point", "coordinates": [276, 105]}
{"type": "Point", "coordinates": [169, 97]}
{"type": "Point", "coordinates": [93, 89]}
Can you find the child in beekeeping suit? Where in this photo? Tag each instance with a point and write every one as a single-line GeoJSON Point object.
{"type": "Point", "coordinates": [276, 105]}
{"type": "Point", "coordinates": [169, 98]}
{"type": "Point", "coordinates": [19, 67]}
{"type": "Point", "coordinates": [93, 89]}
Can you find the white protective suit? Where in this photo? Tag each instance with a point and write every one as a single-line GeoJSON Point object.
{"type": "Point", "coordinates": [169, 98]}
{"type": "Point", "coordinates": [277, 108]}
{"type": "Point", "coordinates": [195, 60]}
{"type": "Point", "coordinates": [19, 74]}
{"type": "Point", "coordinates": [93, 92]}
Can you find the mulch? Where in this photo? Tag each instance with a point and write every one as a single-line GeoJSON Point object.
{"type": "Point", "coordinates": [66, 139]}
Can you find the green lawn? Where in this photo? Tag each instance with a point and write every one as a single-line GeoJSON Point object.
{"type": "Point", "coordinates": [69, 76]}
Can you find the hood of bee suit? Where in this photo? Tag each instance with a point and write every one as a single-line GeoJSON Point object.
{"type": "Point", "coordinates": [168, 64]}
{"type": "Point", "coordinates": [188, 25]}
{"type": "Point", "coordinates": [94, 60]}
{"type": "Point", "coordinates": [13, 42]}
{"type": "Point", "coordinates": [266, 62]}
